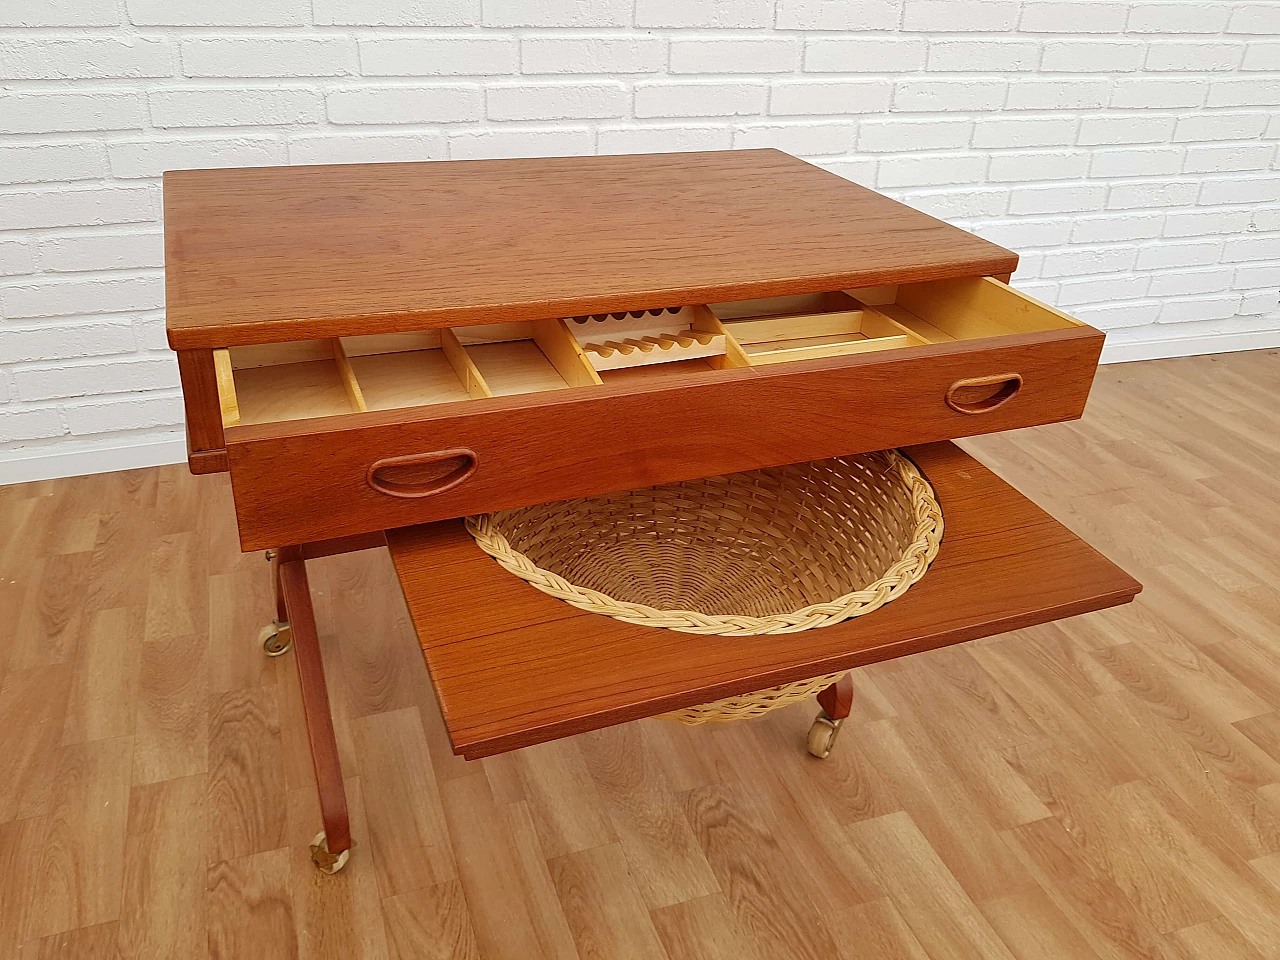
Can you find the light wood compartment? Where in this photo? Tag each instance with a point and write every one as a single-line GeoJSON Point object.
{"type": "Point", "coordinates": [280, 381]}
{"type": "Point", "coordinates": [618, 341]}
{"type": "Point", "coordinates": [526, 357]}
{"type": "Point", "coordinates": [320, 378]}
{"type": "Point", "coordinates": [839, 323]}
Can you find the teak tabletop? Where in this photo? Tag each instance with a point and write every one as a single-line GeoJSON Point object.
{"type": "Point", "coordinates": [513, 666]}
{"type": "Point", "coordinates": [290, 253]}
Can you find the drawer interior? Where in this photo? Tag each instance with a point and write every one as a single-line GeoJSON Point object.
{"type": "Point", "coordinates": [779, 329]}
{"type": "Point", "coordinates": [318, 378]}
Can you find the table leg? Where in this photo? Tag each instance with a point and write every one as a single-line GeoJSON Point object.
{"type": "Point", "coordinates": [836, 702]}
{"type": "Point", "coordinates": [331, 848]}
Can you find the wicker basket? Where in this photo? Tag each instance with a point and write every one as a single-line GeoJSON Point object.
{"type": "Point", "coordinates": [766, 552]}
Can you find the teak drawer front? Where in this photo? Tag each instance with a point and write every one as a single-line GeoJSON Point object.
{"type": "Point", "coordinates": [310, 480]}
{"type": "Point", "coordinates": [512, 666]}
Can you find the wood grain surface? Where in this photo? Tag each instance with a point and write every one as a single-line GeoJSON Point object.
{"type": "Point", "coordinates": [291, 253]}
{"type": "Point", "coordinates": [513, 666]}
{"type": "Point", "coordinates": [1104, 787]}
{"type": "Point", "coordinates": [307, 480]}
{"type": "Point", "coordinates": [205, 446]}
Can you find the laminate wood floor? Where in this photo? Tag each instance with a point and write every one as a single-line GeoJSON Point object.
{"type": "Point", "coordinates": [1106, 787]}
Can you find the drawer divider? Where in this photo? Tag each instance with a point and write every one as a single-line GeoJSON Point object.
{"type": "Point", "coordinates": [463, 365]}
{"type": "Point", "coordinates": [899, 319]}
{"type": "Point", "coordinates": [706, 321]}
{"type": "Point", "coordinates": [349, 382]}
{"type": "Point", "coordinates": [227, 400]}
{"type": "Point", "coordinates": [565, 353]}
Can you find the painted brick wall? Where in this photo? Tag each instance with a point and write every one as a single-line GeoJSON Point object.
{"type": "Point", "coordinates": [1127, 148]}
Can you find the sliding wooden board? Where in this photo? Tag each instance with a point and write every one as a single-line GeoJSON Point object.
{"type": "Point", "coordinates": [301, 252]}
{"type": "Point", "coordinates": [514, 667]}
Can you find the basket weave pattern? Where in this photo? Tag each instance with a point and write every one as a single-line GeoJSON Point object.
{"type": "Point", "coordinates": [770, 551]}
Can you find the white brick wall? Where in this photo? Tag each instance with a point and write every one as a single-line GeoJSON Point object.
{"type": "Point", "coordinates": [1127, 148]}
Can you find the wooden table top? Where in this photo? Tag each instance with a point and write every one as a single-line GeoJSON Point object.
{"type": "Point", "coordinates": [513, 666]}
{"type": "Point", "coordinates": [289, 253]}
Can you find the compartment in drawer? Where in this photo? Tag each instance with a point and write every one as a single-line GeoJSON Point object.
{"type": "Point", "coordinates": [639, 338]}
{"type": "Point", "coordinates": [848, 329]}
{"type": "Point", "coordinates": [409, 369]}
{"type": "Point", "coordinates": [281, 381]}
{"type": "Point", "coordinates": [970, 308]}
{"type": "Point", "coordinates": [805, 327]}
{"type": "Point", "coordinates": [526, 357]}
{"type": "Point", "coordinates": [320, 378]}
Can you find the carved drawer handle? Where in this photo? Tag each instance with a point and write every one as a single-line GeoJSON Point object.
{"type": "Point", "coordinates": [422, 474]}
{"type": "Point", "coordinates": [972, 395]}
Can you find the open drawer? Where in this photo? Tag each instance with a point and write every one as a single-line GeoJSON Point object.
{"type": "Point", "coordinates": [344, 436]}
{"type": "Point", "coordinates": [513, 666]}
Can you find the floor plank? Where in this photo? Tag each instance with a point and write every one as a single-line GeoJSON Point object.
{"type": "Point", "coordinates": [431, 923]}
{"type": "Point", "coordinates": [876, 929]}
{"type": "Point", "coordinates": [171, 714]}
{"type": "Point", "coordinates": [163, 909]}
{"type": "Point", "coordinates": [250, 908]}
{"type": "Point", "coordinates": [81, 875]}
{"type": "Point", "coordinates": [934, 905]}
{"type": "Point", "coordinates": [703, 929]}
{"type": "Point", "coordinates": [105, 677]}
{"type": "Point", "coordinates": [735, 825]}
{"type": "Point", "coordinates": [603, 906]}
{"type": "Point", "coordinates": [647, 816]}
{"type": "Point", "coordinates": [21, 843]}
{"type": "Point", "coordinates": [407, 832]}
{"type": "Point", "coordinates": [247, 808]}
{"type": "Point", "coordinates": [33, 705]}
{"type": "Point", "coordinates": [514, 907]}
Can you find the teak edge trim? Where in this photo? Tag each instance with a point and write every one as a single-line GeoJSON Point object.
{"type": "Point", "coordinates": [314, 328]}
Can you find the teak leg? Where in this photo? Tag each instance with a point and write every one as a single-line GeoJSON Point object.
{"type": "Point", "coordinates": [330, 849]}
{"type": "Point", "coordinates": [836, 702]}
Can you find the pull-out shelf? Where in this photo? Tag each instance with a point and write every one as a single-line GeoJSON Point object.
{"type": "Point", "coordinates": [514, 667]}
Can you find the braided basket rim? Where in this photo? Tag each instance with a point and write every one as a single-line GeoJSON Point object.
{"type": "Point", "coordinates": [895, 581]}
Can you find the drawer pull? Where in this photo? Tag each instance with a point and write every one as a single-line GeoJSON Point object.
{"type": "Point", "coordinates": [422, 474]}
{"type": "Point", "coordinates": [974, 394]}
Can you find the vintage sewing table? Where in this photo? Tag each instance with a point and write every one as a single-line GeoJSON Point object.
{"type": "Point", "coordinates": [374, 351]}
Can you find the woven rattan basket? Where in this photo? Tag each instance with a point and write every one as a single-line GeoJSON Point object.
{"type": "Point", "coordinates": [771, 551]}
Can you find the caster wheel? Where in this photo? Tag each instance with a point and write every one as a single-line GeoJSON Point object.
{"type": "Point", "coordinates": [276, 639]}
{"type": "Point", "coordinates": [327, 862]}
{"type": "Point", "coordinates": [822, 735]}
